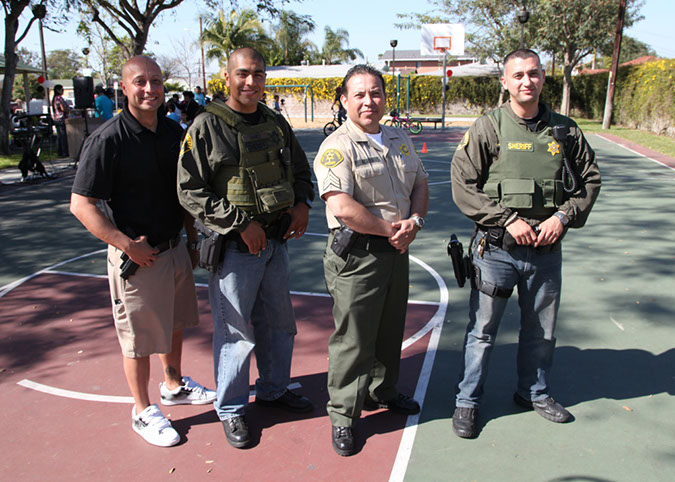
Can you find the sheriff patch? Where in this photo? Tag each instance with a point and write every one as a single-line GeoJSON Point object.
{"type": "Point", "coordinates": [520, 146]}
{"type": "Point", "coordinates": [187, 145]}
{"type": "Point", "coordinates": [464, 141]}
{"type": "Point", "coordinates": [405, 150]}
{"type": "Point", "coordinates": [331, 158]}
{"type": "Point", "coordinates": [553, 148]}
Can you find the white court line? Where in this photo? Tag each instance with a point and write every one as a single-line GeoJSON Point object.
{"type": "Point", "coordinates": [90, 397]}
{"type": "Point", "coordinates": [438, 182]}
{"type": "Point", "coordinates": [7, 288]}
{"type": "Point", "coordinates": [635, 152]}
{"type": "Point", "coordinates": [435, 325]}
{"type": "Point", "coordinates": [408, 438]}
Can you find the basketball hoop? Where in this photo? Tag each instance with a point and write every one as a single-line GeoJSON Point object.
{"type": "Point", "coordinates": [442, 44]}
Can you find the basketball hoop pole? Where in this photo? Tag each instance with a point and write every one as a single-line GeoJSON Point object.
{"type": "Point", "coordinates": [445, 82]}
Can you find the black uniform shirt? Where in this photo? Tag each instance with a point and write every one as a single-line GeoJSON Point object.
{"type": "Point", "coordinates": [134, 170]}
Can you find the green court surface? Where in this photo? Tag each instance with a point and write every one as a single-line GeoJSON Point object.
{"type": "Point", "coordinates": [615, 358]}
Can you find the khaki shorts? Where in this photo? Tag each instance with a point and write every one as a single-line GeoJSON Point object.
{"type": "Point", "coordinates": [154, 302]}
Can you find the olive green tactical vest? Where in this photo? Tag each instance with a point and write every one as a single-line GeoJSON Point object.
{"type": "Point", "coordinates": [262, 183]}
{"type": "Point", "coordinates": [527, 175]}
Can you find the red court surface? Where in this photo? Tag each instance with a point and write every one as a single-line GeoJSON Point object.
{"type": "Point", "coordinates": [56, 333]}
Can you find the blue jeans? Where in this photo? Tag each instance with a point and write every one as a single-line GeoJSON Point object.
{"type": "Point", "coordinates": [252, 311]}
{"type": "Point", "coordinates": [538, 278]}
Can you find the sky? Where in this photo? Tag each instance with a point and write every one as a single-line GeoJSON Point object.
{"type": "Point", "coordinates": [370, 23]}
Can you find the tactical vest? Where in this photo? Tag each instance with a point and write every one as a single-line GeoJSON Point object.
{"type": "Point", "coordinates": [527, 175]}
{"type": "Point", "coordinates": [262, 183]}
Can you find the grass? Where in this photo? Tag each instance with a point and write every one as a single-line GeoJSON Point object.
{"type": "Point", "coordinates": [9, 161]}
{"type": "Point", "coordinates": [663, 144]}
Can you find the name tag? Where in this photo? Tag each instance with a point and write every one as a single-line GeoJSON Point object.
{"type": "Point", "coordinates": [520, 146]}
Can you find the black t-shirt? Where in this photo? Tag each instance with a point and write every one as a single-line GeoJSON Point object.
{"type": "Point", "coordinates": [134, 170]}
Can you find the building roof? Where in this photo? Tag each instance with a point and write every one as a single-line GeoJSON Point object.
{"type": "Point", "coordinates": [20, 67]}
{"type": "Point", "coordinates": [311, 71]}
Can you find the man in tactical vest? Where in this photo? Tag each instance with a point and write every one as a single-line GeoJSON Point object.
{"type": "Point", "coordinates": [524, 175]}
{"type": "Point", "coordinates": [243, 174]}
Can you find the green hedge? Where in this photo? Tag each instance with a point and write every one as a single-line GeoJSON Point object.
{"type": "Point", "coordinates": [644, 94]}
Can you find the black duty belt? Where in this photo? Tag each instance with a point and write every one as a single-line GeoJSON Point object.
{"type": "Point", "coordinates": [171, 243]}
{"type": "Point", "coordinates": [374, 244]}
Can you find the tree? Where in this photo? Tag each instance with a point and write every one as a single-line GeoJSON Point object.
{"type": "Point", "coordinates": [106, 57]}
{"type": "Point", "coordinates": [131, 19]}
{"type": "Point", "coordinates": [224, 34]}
{"type": "Point", "coordinates": [13, 10]}
{"type": "Point", "coordinates": [290, 46]}
{"type": "Point", "coordinates": [63, 64]}
{"type": "Point", "coordinates": [185, 64]}
{"type": "Point", "coordinates": [335, 47]}
{"type": "Point", "coordinates": [29, 57]}
{"type": "Point", "coordinates": [136, 18]}
{"type": "Point", "coordinates": [577, 28]}
{"type": "Point", "coordinates": [631, 49]}
{"type": "Point", "coordinates": [492, 27]}
{"type": "Point", "coordinates": [571, 28]}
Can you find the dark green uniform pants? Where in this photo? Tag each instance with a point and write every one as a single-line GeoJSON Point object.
{"type": "Point", "coordinates": [370, 297]}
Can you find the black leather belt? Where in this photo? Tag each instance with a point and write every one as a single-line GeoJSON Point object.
{"type": "Point", "coordinates": [374, 244]}
{"type": "Point", "coordinates": [171, 243]}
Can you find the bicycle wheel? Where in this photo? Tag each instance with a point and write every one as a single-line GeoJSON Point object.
{"type": "Point", "coordinates": [329, 128]}
{"type": "Point", "coordinates": [387, 122]}
{"type": "Point", "coordinates": [415, 127]}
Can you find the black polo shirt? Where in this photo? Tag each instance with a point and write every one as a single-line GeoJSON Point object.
{"type": "Point", "coordinates": [134, 170]}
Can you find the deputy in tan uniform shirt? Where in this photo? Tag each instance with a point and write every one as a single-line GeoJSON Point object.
{"type": "Point", "coordinates": [373, 183]}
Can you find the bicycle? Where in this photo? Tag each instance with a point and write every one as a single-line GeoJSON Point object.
{"type": "Point", "coordinates": [414, 126]}
{"type": "Point", "coordinates": [331, 126]}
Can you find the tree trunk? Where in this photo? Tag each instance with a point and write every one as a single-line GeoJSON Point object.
{"type": "Point", "coordinates": [11, 60]}
{"type": "Point", "coordinates": [567, 85]}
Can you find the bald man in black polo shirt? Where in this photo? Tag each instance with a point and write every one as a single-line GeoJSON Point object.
{"type": "Point", "coordinates": [130, 164]}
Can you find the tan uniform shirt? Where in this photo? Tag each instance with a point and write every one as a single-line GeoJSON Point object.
{"type": "Point", "coordinates": [381, 178]}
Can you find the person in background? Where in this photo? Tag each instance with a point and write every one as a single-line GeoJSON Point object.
{"type": "Point", "coordinates": [104, 105]}
{"type": "Point", "coordinates": [60, 112]}
{"type": "Point", "coordinates": [199, 96]}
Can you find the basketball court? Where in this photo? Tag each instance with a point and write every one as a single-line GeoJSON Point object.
{"type": "Point", "coordinates": [66, 407]}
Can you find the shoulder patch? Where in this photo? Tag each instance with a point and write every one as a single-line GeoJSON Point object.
{"type": "Point", "coordinates": [464, 141]}
{"type": "Point", "coordinates": [187, 144]}
{"type": "Point", "coordinates": [331, 158]}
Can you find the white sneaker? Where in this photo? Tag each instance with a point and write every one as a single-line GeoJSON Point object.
{"type": "Point", "coordinates": [153, 426]}
{"type": "Point", "coordinates": [189, 393]}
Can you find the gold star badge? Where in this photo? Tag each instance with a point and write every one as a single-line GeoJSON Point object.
{"type": "Point", "coordinates": [553, 148]}
{"type": "Point", "coordinates": [405, 150]}
{"type": "Point", "coordinates": [331, 158]}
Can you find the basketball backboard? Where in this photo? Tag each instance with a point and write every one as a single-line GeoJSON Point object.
{"type": "Point", "coordinates": [442, 37]}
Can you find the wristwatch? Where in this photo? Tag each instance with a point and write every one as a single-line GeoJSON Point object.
{"type": "Point", "coordinates": [419, 221]}
{"type": "Point", "coordinates": [564, 218]}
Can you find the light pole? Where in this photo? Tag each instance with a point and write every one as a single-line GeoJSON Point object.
{"type": "Point", "coordinates": [40, 12]}
{"type": "Point", "coordinates": [523, 16]}
{"type": "Point", "coordinates": [393, 44]}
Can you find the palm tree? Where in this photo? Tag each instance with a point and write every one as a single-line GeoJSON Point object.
{"type": "Point", "coordinates": [333, 51]}
{"type": "Point", "coordinates": [223, 35]}
{"type": "Point", "coordinates": [290, 47]}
